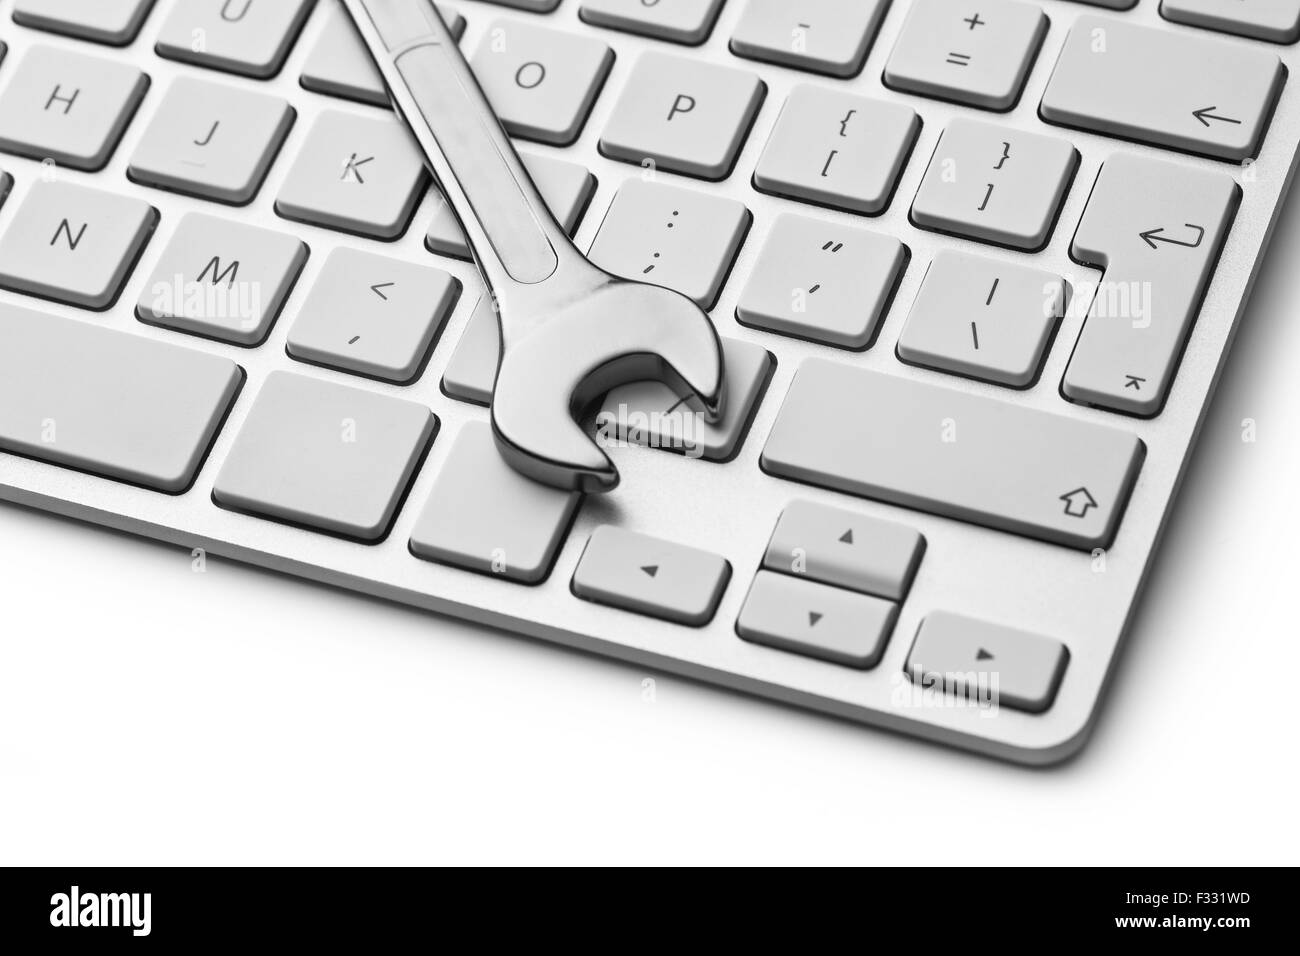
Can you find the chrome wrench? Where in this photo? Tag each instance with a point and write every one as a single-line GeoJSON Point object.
{"type": "Point", "coordinates": [569, 330]}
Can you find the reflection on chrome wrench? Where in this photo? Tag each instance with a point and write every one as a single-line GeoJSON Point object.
{"type": "Point", "coordinates": [569, 330]}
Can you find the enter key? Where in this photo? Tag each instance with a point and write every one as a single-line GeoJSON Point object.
{"type": "Point", "coordinates": [1156, 228]}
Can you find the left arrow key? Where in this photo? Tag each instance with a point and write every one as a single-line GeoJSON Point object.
{"type": "Point", "coordinates": [651, 576]}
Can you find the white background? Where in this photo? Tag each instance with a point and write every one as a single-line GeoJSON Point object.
{"type": "Point", "coordinates": [149, 714]}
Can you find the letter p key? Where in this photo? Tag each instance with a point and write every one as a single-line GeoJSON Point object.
{"type": "Point", "coordinates": [682, 104]}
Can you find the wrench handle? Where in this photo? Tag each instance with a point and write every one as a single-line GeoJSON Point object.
{"type": "Point", "coordinates": [511, 230]}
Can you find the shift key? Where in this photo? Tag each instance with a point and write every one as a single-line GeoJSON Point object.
{"type": "Point", "coordinates": [964, 456]}
{"type": "Point", "coordinates": [1166, 87]}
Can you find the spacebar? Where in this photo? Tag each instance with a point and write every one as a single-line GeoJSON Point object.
{"type": "Point", "coordinates": [963, 456]}
{"type": "Point", "coordinates": [107, 402]}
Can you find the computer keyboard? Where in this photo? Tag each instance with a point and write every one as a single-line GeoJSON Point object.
{"type": "Point", "coordinates": [975, 265]}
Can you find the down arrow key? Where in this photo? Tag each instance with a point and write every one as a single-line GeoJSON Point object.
{"type": "Point", "coordinates": [846, 628]}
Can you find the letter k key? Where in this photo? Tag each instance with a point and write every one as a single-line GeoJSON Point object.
{"type": "Point", "coordinates": [352, 169]}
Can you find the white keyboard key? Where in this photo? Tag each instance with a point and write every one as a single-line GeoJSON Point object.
{"type": "Point", "coordinates": [223, 280]}
{"type": "Point", "coordinates": [837, 149]}
{"type": "Point", "coordinates": [983, 319]}
{"type": "Point", "coordinates": [1157, 228]}
{"type": "Point", "coordinates": [113, 404]}
{"type": "Point", "coordinates": [566, 187]}
{"type": "Point", "coordinates": [679, 238]}
{"type": "Point", "coordinates": [484, 516]}
{"type": "Point", "coordinates": [681, 21]}
{"type": "Point", "coordinates": [823, 36]}
{"type": "Point", "coordinates": [653, 414]}
{"type": "Point", "coordinates": [115, 22]}
{"type": "Point", "coordinates": [359, 174]}
{"type": "Point", "coordinates": [211, 141]}
{"type": "Point", "coordinates": [987, 662]}
{"type": "Point", "coordinates": [1275, 20]}
{"type": "Point", "coordinates": [845, 549]}
{"type": "Point", "coordinates": [1214, 96]}
{"type": "Point", "coordinates": [822, 281]}
{"type": "Point", "coordinates": [979, 55]}
{"type": "Point", "coordinates": [541, 83]}
{"type": "Point", "coordinates": [803, 617]}
{"type": "Point", "coordinates": [74, 244]}
{"type": "Point", "coordinates": [683, 115]}
{"type": "Point", "coordinates": [340, 65]}
{"type": "Point", "coordinates": [960, 455]}
{"type": "Point", "coordinates": [373, 315]}
{"type": "Point", "coordinates": [68, 107]}
{"type": "Point", "coordinates": [330, 457]}
{"type": "Point", "coordinates": [249, 37]}
{"type": "Point", "coordinates": [472, 371]}
{"type": "Point", "coordinates": [535, 6]}
{"type": "Point", "coordinates": [651, 576]}
{"type": "Point", "coordinates": [997, 185]}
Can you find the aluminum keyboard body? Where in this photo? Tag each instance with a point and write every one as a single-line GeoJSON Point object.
{"type": "Point", "coordinates": [725, 508]}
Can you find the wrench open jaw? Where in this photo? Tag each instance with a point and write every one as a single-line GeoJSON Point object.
{"type": "Point", "coordinates": [555, 367]}
{"type": "Point", "coordinates": [569, 330]}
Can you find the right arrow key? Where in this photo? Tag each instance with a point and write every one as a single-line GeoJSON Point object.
{"type": "Point", "coordinates": [1178, 90]}
{"type": "Point", "coordinates": [986, 663]}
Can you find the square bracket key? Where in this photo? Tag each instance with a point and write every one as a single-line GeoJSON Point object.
{"type": "Point", "coordinates": [996, 185]}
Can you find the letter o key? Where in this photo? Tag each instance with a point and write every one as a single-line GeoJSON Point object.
{"type": "Point", "coordinates": [530, 75]}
